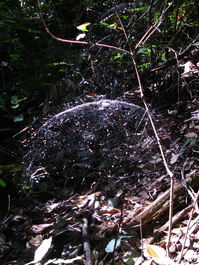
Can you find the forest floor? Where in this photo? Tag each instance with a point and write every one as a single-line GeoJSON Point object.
{"type": "Point", "coordinates": [116, 219]}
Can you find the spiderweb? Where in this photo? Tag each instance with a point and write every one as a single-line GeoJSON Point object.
{"type": "Point", "coordinates": [95, 138]}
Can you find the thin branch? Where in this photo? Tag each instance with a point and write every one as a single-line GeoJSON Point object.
{"type": "Point", "coordinates": [161, 204]}
{"type": "Point", "coordinates": [152, 29]}
{"type": "Point", "coordinates": [118, 228]}
{"type": "Point", "coordinates": [147, 35]}
{"type": "Point", "coordinates": [176, 218]}
{"type": "Point", "coordinates": [188, 225]}
{"type": "Point", "coordinates": [86, 242]}
{"type": "Point", "coordinates": [142, 41]}
{"type": "Point", "coordinates": [77, 41]}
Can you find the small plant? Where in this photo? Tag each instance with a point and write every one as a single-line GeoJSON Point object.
{"type": "Point", "coordinates": [15, 104]}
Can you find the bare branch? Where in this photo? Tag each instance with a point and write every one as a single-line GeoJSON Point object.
{"type": "Point", "coordinates": [77, 41]}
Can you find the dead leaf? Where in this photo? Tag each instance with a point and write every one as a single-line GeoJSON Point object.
{"type": "Point", "coordinates": [158, 254]}
{"type": "Point", "coordinates": [37, 229]}
{"type": "Point", "coordinates": [42, 249]}
{"type": "Point", "coordinates": [191, 135]}
{"type": "Point", "coordinates": [174, 158]}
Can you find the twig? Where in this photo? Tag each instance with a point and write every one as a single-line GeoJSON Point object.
{"type": "Point", "coordinates": [7, 153]}
{"type": "Point", "coordinates": [161, 204]}
{"type": "Point", "coordinates": [188, 225]}
{"type": "Point", "coordinates": [142, 41]}
{"type": "Point", "coordinates": [152, 29]}
{"type": "Point", "coordinates": [118, 228]}
{"type": "Point", "coordinates": [189, 190]}
{"type": "Point", "coordinates": [142, 243]}
{"type": "Point", "coordinates": [86, 242]}
{"type": "Point", "coordinates": [77, 41]}
{"type": "Point", "coordinates": [147, 35]}
{"type": "Point", "coordinates": [176, 218]}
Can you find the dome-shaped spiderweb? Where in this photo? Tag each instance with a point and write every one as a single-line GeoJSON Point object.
{"type": "Point", "coordinates": [102, 137]}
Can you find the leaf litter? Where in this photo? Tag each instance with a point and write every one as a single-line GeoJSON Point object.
{"type": "Point", "coordinates": [99, 162]}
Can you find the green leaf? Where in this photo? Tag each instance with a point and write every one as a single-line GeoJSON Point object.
{"type": "Point", "coordinates": [18, 118]}
{"type": "Point", "coordinates": [144, 49]}
{"type": "Point", "coordinates": [138, 9]}
{"type": "Point", "coordinates": [10, 167]}
{"type": "Point", "coordinates": [110, 247]}
{"type": "Point", "coordinates": [119, 55]}
{"type": "Point", "coordinates": [2, 4]}
{"type": "Point", "coordinates": [190, 141]}
{"type": "Point", "coordinates": [2, 107]}
{"type": "Point", "coordinates": [83, 27]}
{"type": "Point", "coordinates": [2, 183]}
{"type": "Point", "coordinates": [4, 130]}
{"type": "Point", "coordinates": [14, 99]}
{"type": "Point", "coordinates": [2, 101]}
{"type": "Point", "coordinates": [26, 187]}
{"type": "Point", "coordinates": [22, 99]}
{"type": "Point", "coordinates": [59, 63]}
{"type": "Point", "coordinates": [196, 43]}
{"type": "Point", "coordinates": [14, 56]}
{"type": "Point", "coordinates": [15, 106]}
{"type": "Point", "coordinates": [105, 24]}
{"type": "Point", "coordinates": [34, 31]}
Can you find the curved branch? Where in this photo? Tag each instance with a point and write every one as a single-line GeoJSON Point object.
{"type": "Point", "coordinates": [77, 41]}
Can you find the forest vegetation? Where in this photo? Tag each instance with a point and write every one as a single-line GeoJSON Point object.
{"type": "Point", "coordinates": [56, 55]}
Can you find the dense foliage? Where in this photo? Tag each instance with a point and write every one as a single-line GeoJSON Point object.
{"type": "Point", "coordinates": [32, 62]}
